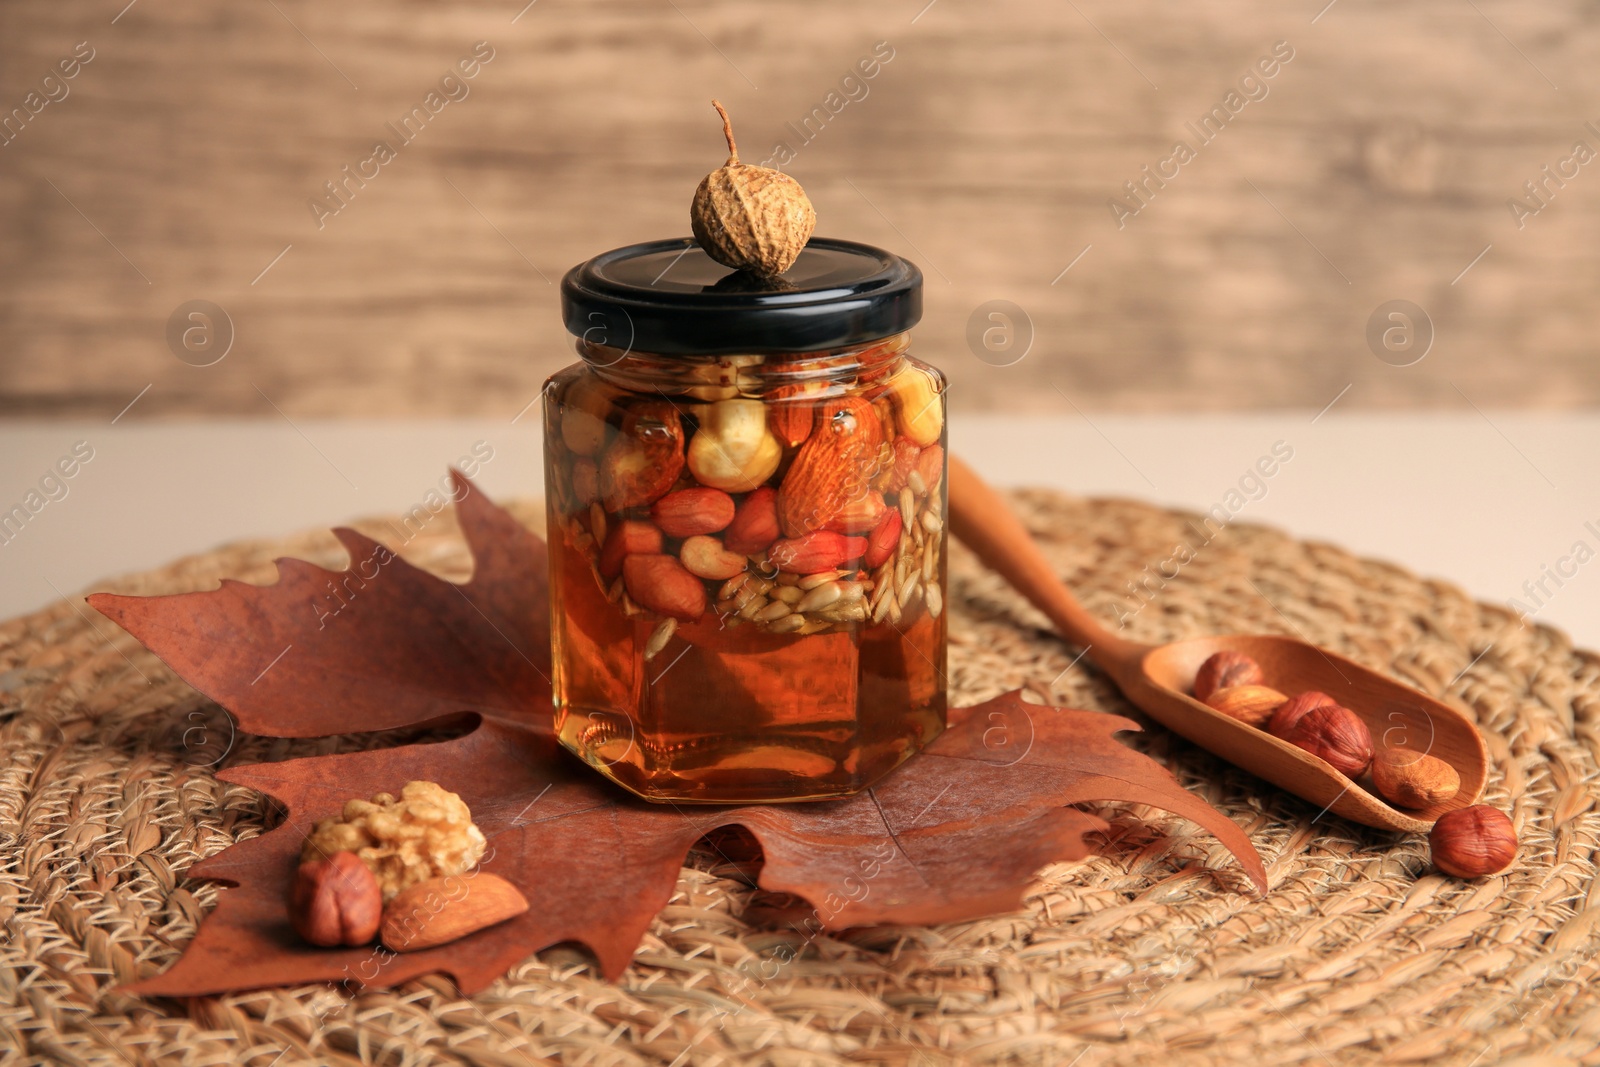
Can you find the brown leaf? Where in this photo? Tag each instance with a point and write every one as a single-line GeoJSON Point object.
{"type": "Point", "coordinates": [380, 645]}
{"type": "Point", "coordinates": [955, 833]}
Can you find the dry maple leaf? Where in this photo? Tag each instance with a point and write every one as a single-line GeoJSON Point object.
{"type": "Point", "coordinates": [377, 646]}
{"type": "Point", "coordinates": [955, 833]}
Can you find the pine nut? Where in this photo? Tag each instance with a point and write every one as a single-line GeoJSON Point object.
{"type": "Point", "coordinates": [912, 593]}
{"type": "Point", "coordinates": [658, 639]}
{"type": "Point", "coordinates": [811, 581]}
{"type": "Point", "coordinates": [820, 597]}
{"type": "Point", "coordinates": [777, 609]}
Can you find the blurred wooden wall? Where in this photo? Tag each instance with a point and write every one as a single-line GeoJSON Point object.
{"type": "Point", "coordinates": [181, 162]}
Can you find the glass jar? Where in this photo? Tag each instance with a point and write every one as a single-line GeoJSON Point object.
{"type": "Point", "coordinates": [745, 486]}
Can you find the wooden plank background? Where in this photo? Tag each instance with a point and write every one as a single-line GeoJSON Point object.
{"type": "Point", "coordinates": [182, 161]}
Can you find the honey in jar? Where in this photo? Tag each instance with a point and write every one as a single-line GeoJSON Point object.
{"type": "Point", "coordinates": [746, 505]}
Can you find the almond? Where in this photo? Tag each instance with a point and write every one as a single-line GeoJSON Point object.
{"type": "Point", "coordinates": [704, 557]}
{"type": "Point", "coordinates": [789, 418]}
{"type": "Point", "coordinates": [1335, 735]}
{"type": "Point", "coordinates": [823, 550]}
{"type": "Point", "coordinates": [882, 541]}
{"type": "Point", "coordinates": [1252, 705]}
{"type": "Point", "coordinates": [859, 516]}
{"type": "Point", "coordinates": [1284, 719]}
{"type": "Point", "coordinates": [644, 462]}
{"type": "Point", "coordinates": [1223, 669]}
{"type": "Point", "coordinates": [442, 910]}
{"type": "Point", "coordinates": [834, 468]}
{"type": "Point", "coordinates": [1413, 779]}
{"type": "Point", "coordinates": [688, 512]}
{"type": "Point", "coordinates": [662, 585]}
{"type": "Point", "coordinates": [629, 537]}
{"type": "Point", "coordinates": [755, 523]}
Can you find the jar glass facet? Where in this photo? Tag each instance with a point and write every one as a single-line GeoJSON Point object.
{"type": "Point", "coordinates": [745, 482]}
{"type": "Point", "coordinates": [747, 568]}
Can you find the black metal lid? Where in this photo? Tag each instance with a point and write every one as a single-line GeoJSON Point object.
{"type": "Point", "coordinates": [672, 298]}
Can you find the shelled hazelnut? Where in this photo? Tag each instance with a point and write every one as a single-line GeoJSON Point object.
{"type": "Point", "coordinates": [1335, 735]}
{"type": "Point", "coordinates": [1225, 669]}
{"type": "Point", "coordinates": [1472, 842]}
{"type": "Point", "coordinates": [1284, 719]}
{"type": "Point", "coordinates": [336, 901]}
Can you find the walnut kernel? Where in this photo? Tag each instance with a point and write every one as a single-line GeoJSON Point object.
{"type": "Point", "coordinates": [427, 833]}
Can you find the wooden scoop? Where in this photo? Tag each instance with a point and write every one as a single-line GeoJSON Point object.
{"type": "Point", "coordinates": [1158, 679]}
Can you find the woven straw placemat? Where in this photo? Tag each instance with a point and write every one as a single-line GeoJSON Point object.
{"type": "Point", "coordinates": [1147, 953]}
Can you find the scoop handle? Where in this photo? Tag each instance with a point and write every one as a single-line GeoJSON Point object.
{"type": "Point", "coordinates": [982, 520]}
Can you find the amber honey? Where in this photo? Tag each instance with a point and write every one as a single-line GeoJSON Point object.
{"type": "Point", "coordinates": [747, 567]}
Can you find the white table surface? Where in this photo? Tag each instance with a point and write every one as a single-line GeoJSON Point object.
{"type": "Point", "coordinates": [1489, 501]}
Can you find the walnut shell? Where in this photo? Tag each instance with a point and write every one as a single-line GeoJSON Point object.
{"type": "Point", "coordinates": [751, 218]}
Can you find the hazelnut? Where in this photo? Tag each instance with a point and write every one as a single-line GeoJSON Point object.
{"type": "Point", "coordinates": [336, 901]}
{"type": "Point", "coordinates": [1413, 779]}
{"type": "Point", "coordinates": [1335, 735]}
{"type": "Point", "coordinates": [1472, 842]}
{"type": "Point", "coordinates": [1252, 705]}
{"type": "Point", "coordinates": [1284, 719]}
{"type": "Point", "coordinates": [1225, 669]}
{"type": "Point", "coordinates": [733, 450]}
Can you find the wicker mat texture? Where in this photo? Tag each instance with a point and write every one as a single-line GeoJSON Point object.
{"type": "Point", "coordinates": [1145, 954]}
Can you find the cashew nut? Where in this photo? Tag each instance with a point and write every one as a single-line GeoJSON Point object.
{"type": "Point", "coordinates": [918, 408]}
